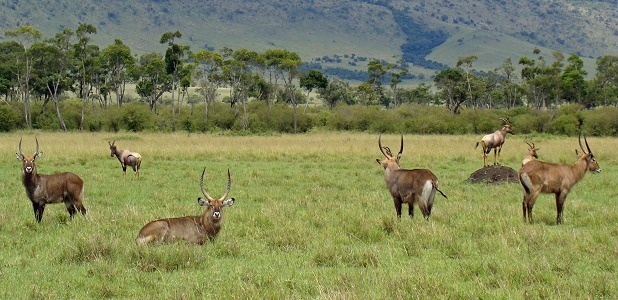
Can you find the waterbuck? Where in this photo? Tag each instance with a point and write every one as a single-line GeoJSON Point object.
{"type": "Point", "coordinates": [193, 229]}
{"type": "Point", "coordinates": [538, 177]}
{"type": "Point", "coordinates": [126, 158]}
{"type": "Point", "coordinates": [48, 189]}
{"type": "Point", "coordinates": [532, 155]}
{"type": "Point", "coordinates": [495, 141]}
{"type": "Point", "coordinates": [408, 186]}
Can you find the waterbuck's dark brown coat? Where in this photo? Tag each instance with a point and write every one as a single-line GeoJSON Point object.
{"type": "Point", "coordinates": [538, 177]}
{"type": "Point", "coordinates": [43, 189]}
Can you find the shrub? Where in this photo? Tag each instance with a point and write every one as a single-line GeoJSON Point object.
{"type": "Point", "coordinates": [136, 117]}
{"type": "Point", "coordinates": [9, 118]}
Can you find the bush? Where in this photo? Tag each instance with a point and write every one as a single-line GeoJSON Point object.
{"type": "Point", "coordinates": [9, 118]}
{"type": "Point", "coordinates": [136, 117]}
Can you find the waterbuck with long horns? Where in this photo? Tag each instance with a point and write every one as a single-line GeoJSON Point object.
{"type": "Point", "coordinates": [126, 158]}
{"type": "Point", "coordinates": [408, 186]}
{"type": "Point", "coordinates": [538, 177]}
{"type": "Point", "coordinates": [495, 141]}
{"type": "Point", "coordinates": [532, 155]}
{"type": "Point", "coordinates": [48, 189]}
{"type": "Point", "coordinates": [193, 229]}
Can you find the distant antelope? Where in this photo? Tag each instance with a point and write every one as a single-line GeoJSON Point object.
{"type": "Point", "coordinates": [48, 189]}
{"type": "Point", "coordinates": [495, 141]}
{"type": "Point", "coordinates": [532, 155]}
{"type": "Point", "coordinates": [126, 158]}
{"type": "Point", "coordinates": [408, 186]}
{"type": "Point", "coordinates": [538, 177]}
{"type": "Point", "coordinates": [193, 229]}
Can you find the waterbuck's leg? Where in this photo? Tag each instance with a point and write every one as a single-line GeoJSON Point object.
{"type": "Point", "coordinates": [38, 211]}
{"type": "Point", "coordinates": [70, 208]}
{"type": "Point", "coordinates": [411, 210]}
{"type": "Point", "coordinates": [524, 208]}
{"type": "Point", "coordinates": [560, 198]}
{"type": "Point", "coordinates": [397, 203]}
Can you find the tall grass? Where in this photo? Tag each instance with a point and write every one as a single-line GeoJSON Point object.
{"type": "Point", "coordinates": [312, 220]}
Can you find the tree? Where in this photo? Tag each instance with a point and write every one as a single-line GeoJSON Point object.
{"type": "Point", "coordinates": [606, 79]}
{"type": "Point", "coordinates": [453, 87]}
{"type": "Point", "coordinates": [286, 64]}
{"type": "Point", "coordinates": [313, 79]}
{"type": "Point", "coordinates": [573, 82]}
{"type": "Point", "coordinates": [208, 68]}
{"type": "Point", "coordinates": [174, 60]}
{"type": "Point", "coordinates": [397, 71]}
{"type": "Point", "coordinates": [24, 35]}
{"type": "Point", "coordinates": [151, 78]}
{"type": "Point", "coordinates": [465, 63]}
{"type": "Point", "coordinates": [377, 72]}
{"type": "Point", "coordinates": [85, 54]}
{"type": "Point", "coordinates": [336, 91]}
{"type": "Point", "coordinates": [118, 61]}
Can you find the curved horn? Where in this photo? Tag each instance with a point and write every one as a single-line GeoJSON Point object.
{"type": "Point", "coordinates": [505, 121]}
{"type": "Point", "coordinates": [585, 140]}
{"type": "Point", "coordinates": [531, 146]}
{"type": "Point", "coordinates": [37, 146]}
{"type": "Point", "coordinates": [20, 152]}
{"type": "Point", "coordinates": [401, 149]}
{"type": "Point", "coordinates": [202, 187]}
{"type": "Point", "coordinates": [580, 142]}
{"type": "Point", "coordinates": [380, 145]}
{"type": "Point", "coordinates": [229, 185]}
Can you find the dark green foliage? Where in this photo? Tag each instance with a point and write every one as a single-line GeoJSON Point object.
{"type": "Point", "coordinates": [136, 117]}
{"type": "Point", "coordinates": [9, 118]}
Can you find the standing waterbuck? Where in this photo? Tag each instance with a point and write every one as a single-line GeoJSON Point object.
{"type": "Point", "coordinates": [193, 229]}
{"type": "Point", "coordinates": [538, 177]}
{"type": "Point", "coordinates": [495, 141]}
{"type": "Point", "coordinates": [408, 186]}
{"type": "Point", "coordinates": [48, 189]}
{"type": "Point", "coordinates": [126, 158]}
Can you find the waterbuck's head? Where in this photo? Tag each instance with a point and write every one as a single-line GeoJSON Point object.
{"type": "Point", "coordinates": [507, 126]}
{"type": "Point", "coordinates": [214, 205]}
{"type": "Point", "coordinates": [389, 162]}
{"type": "Point", "coordinates": [593, 165]}
{"type": "Point", "coordinates": [28, 161]}
{"type": "Point", "coordinates": [112, 147]}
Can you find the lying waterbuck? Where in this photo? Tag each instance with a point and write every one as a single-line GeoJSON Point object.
{"type": "Point", "coordinates": [48, 189]}
{"type": "Point", "coordinates": [538, 177]}
{"type": "Point", "coordinates": [126, 158]}
{"type": "Point", "coordinates": [494, 141]}
{"type": "Point", "coordinates": [408, 186]}
{"type": "Point", "coordinates": [193, 229]}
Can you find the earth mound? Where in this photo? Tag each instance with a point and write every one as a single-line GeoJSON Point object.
{"type": "Point", "coordinates": [494, 175]}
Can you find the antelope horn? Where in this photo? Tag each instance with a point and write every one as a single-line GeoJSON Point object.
{"type": "Point", "coordinates": [585, 140]}
{"type": "Point", "coordinates": [37, 146]}
{"type": "Point", "coordinates": [580, 142]}
{"type": "Point", "coordinates": [20, 152]}
{"type": "Point", "coordinates": [505, 121]}
{"type": "Point", "coordinates": [401, 149]}
{"type": "Point", "coordinates": [531, 146]}
{"type": "Point", "coordinates": [380, 145]}
{"type": "Point", "coordinates": [202, 187]}
{"type": "Point", "coordinates": [229, 185]}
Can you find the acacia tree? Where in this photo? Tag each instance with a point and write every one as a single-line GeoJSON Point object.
{"type": "Point", "coordinates": [207, 72]}
{"type": "Point", "coordinates": [377, 72]}
{"type": "Point", "coordinates": [85, 55]}
{"type": "Point", "coordinates": [336, 91]}
{"type": "Point", "coordinates": [118, 60]}
{"type": "Point", "coordinates": [174, 60]}
{"type": "Point", "coordinates": [312, 79]}
{"type": "Point", "coordinates": [24, 35]}
{"type": "Point", "coordinates": [606, 80]}
{"type": "Point", "coordinates": [151, 78]}
{"type": "Point", "coordinates": [451, 83]}
{"type": "Point", "coordinates": [396, 72]}
{"type": "Point", "coordinates": [285, 64]}
{"type": "Point", "coordinates": [573, 82]}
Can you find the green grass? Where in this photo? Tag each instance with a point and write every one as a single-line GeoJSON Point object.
{"type": "Point", "coordinates": [312, 220]}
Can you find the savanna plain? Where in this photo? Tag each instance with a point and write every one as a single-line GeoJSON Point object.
{"type": "Point", "coordinates": [312, 219]}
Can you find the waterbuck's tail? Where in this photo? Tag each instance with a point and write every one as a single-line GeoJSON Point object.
{"type": "Point", "coordinates": [435, 186]}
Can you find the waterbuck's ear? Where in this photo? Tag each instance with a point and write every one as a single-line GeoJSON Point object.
{"type": "Point", "coordinates": [203, 202]}
{"type": "Point", "coordinates": [19, 156]}
{"type": "Point", "coordinates": [399, 156]}
{"type": "Point", "coordinates": [577, 152]}
{"type": "Point", "coordinates": [228, 202]}
{"type": "Point", "coordinates": [37, 155]}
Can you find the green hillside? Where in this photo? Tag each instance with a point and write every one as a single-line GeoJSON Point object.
{"type": "Point", "coordinates": [492, 30]}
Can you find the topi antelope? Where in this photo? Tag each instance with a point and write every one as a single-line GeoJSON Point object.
{"type": "Point", "coordinates": [193, 229]}
{"type": "Point", "coordinates": [495, 141]}
{"type": "Point", "coordinates": [538, 177]}
{"type": "Point", "coordinates": [48, 189]}
{"type": "Point", "coordinates": [408, 186]}
{"type": "Point", "coordinates": [532, 155]}
{"type": "Point", "coordinates": [126, 158]}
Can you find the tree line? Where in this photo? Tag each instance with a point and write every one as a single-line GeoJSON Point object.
{"type": "Point", "coordinates": [37, 75]}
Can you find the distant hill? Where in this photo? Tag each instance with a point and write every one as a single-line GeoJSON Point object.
{"type": "Point", "coordinates": [342, 34]}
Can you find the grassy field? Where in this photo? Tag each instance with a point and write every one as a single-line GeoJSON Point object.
{"type": "Point", "coordinates": [312, 219]}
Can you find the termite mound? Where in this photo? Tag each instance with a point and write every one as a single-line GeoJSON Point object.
{"type": "Point", "coordinates": [494, 175]}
